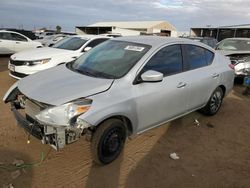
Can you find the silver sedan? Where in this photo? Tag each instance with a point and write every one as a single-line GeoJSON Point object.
{"type": "Point", "coordinates": [122, 87]}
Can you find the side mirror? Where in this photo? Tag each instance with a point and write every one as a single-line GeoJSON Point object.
{"type": "Point", "coordinates": [152, 76]}
{"type": "Point", "coordinates": [87, 49]}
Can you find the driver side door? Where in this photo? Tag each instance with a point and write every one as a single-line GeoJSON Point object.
{"type": "Point", "coordinates": [158, 102]}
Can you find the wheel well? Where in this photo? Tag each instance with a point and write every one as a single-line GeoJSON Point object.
{"type": "Point", "coordinates": [125, 120]}
{"type": "Point", "coordinates": [223, 89]}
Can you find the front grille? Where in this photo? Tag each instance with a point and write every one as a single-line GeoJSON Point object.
{"type": "Point", "coordinates": [17, 74]}
{"type": "Point", "coordinates": [17, 63]}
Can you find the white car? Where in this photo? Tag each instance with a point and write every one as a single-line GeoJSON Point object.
{"type": "Point", "coordinates": [12, 42]}
{"type": "Point", "coordinates": [48, 41]}
{"type": "Point", "coordinates": [25, 63]}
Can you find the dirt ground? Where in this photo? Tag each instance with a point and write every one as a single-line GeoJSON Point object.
{"type": "Point", "coordinates": [214, 154]}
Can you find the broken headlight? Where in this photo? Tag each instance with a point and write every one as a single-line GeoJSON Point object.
{"type": "Point", "coordinates": [63, 115]}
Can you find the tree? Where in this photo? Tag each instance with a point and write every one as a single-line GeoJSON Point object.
{"type": "Point", "coordinates": [58, 29]}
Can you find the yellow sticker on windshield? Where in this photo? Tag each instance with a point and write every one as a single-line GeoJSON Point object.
{"type": "Point", "coordinates": [134, 48]}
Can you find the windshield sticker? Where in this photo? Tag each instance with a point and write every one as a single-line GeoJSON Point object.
{"type": "Point", "coordinates": [134, 48]}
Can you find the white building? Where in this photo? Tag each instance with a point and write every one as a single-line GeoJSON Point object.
{"type": "Point", "coordinates": [163, 28]}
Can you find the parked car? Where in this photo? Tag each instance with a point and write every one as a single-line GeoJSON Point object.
{"type": "Point", "coordinates": [12, 42]}
{"type": "Point", "coordinates": [238, 50]}
{"type": "Point", "coordinates": [49, 41]}
{"type": "Point", "coordinates": [120, 88]}
{"type": "Point", "coordinates": [31, 61]}
{"type": "Point", "coordinates": [41, 35]}
{"type": "Point", "coordinates": [210, 41]}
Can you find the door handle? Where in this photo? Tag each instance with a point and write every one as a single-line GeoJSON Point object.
{"type": "Point", "coordinates": [181, 85]}
{"type": "Point", "coordinates": [215, 75]}
{"type": "Point", "coordinates": [17, 42]}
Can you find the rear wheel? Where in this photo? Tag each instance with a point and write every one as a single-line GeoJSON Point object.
{"type": "Point", "coordinates": [214, 103]}
{"type": "Point", "coordinates": [108, 141]}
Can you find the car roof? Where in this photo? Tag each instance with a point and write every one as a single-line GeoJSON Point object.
{"type": "Point", "coordinates": [157, 41]}
{"type": "Point", "coordinates": [7, 31]}
{"type": "Point", "coordinates": [88, 37]}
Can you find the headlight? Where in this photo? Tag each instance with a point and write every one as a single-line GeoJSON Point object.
{"type": "Point", "coordinates": [63, 115]}
{"type": "Point", "coordinates": [38, 62]}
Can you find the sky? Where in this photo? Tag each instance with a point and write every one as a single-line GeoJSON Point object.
{"type": "Point", "coordinates": [183, 14]}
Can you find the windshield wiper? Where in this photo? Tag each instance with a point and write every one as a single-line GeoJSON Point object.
{"type": "Point", "coordinates": [86, 72]}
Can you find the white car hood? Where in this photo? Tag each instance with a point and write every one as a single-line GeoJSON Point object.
{"type": "Point", "coordinates": [231, 52]}
{"type": "Point", "coordinates": [59, 85]}
{"type": "Point", "coordinates": [40, 53]}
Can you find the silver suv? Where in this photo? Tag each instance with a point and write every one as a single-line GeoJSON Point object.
{"type": "Point", "coordinates": [122, 87]}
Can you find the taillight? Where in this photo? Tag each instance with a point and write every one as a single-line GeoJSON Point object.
{"type": "Point", "coordinates": [231, 66]}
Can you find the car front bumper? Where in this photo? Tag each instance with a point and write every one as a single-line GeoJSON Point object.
{"type": "Point", "coordinates": [32, 128]}
{"type": "Point", "coordinates": [56, 137]}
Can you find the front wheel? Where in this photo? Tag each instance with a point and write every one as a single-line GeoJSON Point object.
{"type": "Point", "coordinates": [214, 103]}
{"type": "Point", "coordinates": [108, 141]}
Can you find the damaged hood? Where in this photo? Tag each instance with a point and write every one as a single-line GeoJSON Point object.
{"type": "Point", "coordinates": [59, 85]}
{"type": "Point", "coordinates": [232, 52]}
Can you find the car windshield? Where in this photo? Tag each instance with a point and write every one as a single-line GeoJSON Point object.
{"type": "Point", "coordinates": [235, 45]}
{"type": "Point", "coordinates": [70, 43]}
{"type": "Point", "coordinates": [111, 59]}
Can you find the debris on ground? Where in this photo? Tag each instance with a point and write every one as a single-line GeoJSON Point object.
{"type": "Point", "coordinates": [196, 122]}
{"type": "Point", "coordinates": [210, 125]}
{"type": "Point", "coordinates": [15, 174]}
{"type": "Point", "coordinates": [8, 186]}
{"type": "Point", "coordinates": [174, 156]}
{"type": "Point", "coordinates": [18, 162]}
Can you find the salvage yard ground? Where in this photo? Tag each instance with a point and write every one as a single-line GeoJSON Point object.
{"type": "Point", "coordinates": [214, 154]}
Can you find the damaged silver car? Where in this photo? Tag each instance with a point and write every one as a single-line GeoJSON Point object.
{"type": "Point", "coordinates": [238, 50]}
{"type": "Point", "coordinates": [120, 88]}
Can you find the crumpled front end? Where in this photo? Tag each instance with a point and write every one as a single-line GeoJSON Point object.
{"type": "Point", "coordinates": [241, 64]}
{"type": "Point", "coordinates": [26, 112]}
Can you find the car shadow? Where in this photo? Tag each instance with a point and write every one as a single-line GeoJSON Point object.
{"type": "Point", "coordinates": [11, 174]}
{"type": "Point", "coordinates": [105, 176]}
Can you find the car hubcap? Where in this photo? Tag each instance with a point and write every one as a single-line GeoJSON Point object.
{"type": "Point", "coordinates": [112, 142]}
{"type": "Point", "coordinates": [215, 101]}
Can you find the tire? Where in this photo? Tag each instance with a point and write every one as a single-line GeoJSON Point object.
{"type": "Point", "coordinates": [214, 103]}
{"type": "Point", "coordinates": [108, 141]}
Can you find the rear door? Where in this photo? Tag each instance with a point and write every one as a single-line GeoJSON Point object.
{"type": "Point", "coordinates": [6, 43]}
{"type": "Point", "coordinates": [161, 101]}
{"type": "Point", "coordinates": [200, 75]}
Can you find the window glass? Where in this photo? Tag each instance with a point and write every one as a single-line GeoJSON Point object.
{"type": "Point", "coordinates": [209, 56]}
{"type": "Point", "coordinates": [111, 59]}
{"type": "Point", "coordinates": [70, 43]}
{"type": "Point", "coordinates": [17, 37]}
{"type": "Point", "coordinates": [234, 45]}
{"type": "Point", "coordinates": [5, 36]}
{"type": "Point", "coordinates": [167, 61]}
{"type": "Point", "coordinates": [95, 42]}
{"type": "Point", "coordinates": [195, 57]}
